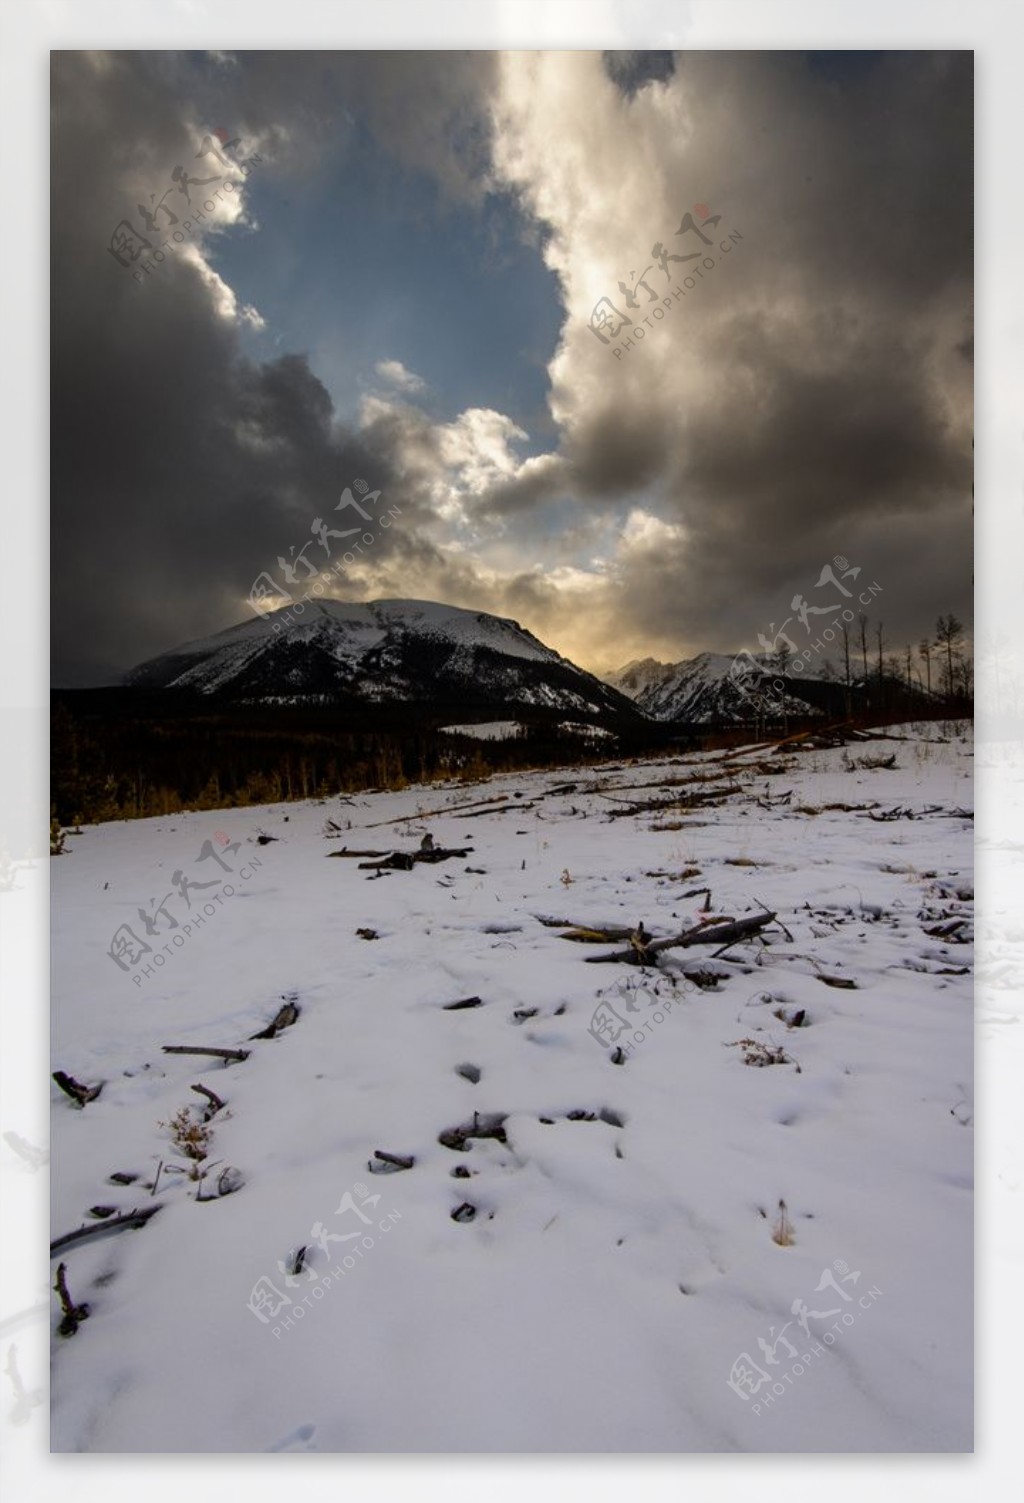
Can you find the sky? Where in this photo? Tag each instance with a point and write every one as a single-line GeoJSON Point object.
{"type": "Point", "coordinates": [412, 288]}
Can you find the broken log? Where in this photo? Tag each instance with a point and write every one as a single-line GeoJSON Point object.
{"type": "Point", "coordinates": [79, 1093]}
{"type": "Point", "coordinates": [404, 861]}
{"type": "Point", "coordinates": [286, 1016]}
{"type": "Point", "coordinates": [581, 935]}
{"type": "Point", "coordinates": [693, 801]}
{"type": "Point", "coordinates": [462, 1002]}
{"type": "Point", "coordinates": [840, 731]}
{"type": "Point", "coordinates": [437, 813]}
{"type": "Point", "coordinates": [500, 809]}
{"type": "Point", "coordinates": [744, 751]}
{"type": "Point", "coordinates": [486, 1125]}
{"type": "Point", "coordinates": [726, 931]}
{"type": "Point", "coordinates": [73, 1314]}
{"type": "Point", "coordinates": [118, 1223]}
{"type": "Point", "coordinates": [216, 1104]}
{"type": "Point", "coordinates": [228, 1055]}
{"type": "Point", "coordinates": [395, 861]}
{"type": "Point", "coordinates": [390, 1163]}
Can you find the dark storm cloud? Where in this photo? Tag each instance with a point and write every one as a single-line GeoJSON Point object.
{"type": "Point", "coordinates": [180, 468]}
{"type": "Point", "coordinates": [632, 70]}
{"type": "Point", "coordinates": [812, 400]}
{"type": "Point", "coordinates": [813, 397]}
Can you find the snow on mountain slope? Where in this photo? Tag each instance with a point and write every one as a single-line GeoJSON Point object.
{"type": "Point", "coordinates": [641, 676]}
{"type": "Point", "coordinates": [382, 650]}
{"type": "Point", "coordinates": [618, 1267]}
{"type": "Point", "coordinates": [712, 687]}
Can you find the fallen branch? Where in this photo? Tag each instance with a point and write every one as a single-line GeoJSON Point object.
{"type": "Point", "coordinates": [116, 1224]}
{"type": "Point", "coordinates": [487, 1125]}
{"type": "Point", "coordinates": [694, 801]}
{"type": "Point", "coordinates": [711, 933]}
{"type": "Point", "coordinates": [404, 861]}
{"type": "Point", "coordinates": [500, 809]}
{"type": "Point", "coordinates": [73, 1314]}
{"type": "Point", "coordinates": [839, 731]}
{"type": "Point", "coordinates": [79, 1093]}
{"type": "Point", "coordinates": [463, 1002]}
{"type": "Point", "coordinates": [286, 1016]}
{"type": "Point", "coordinates": [899, 812]}
{"type": "Point", "coordinates": [216, 1104]}
{"type": "Point", "coordinates": [226, 1054]}
{"type": "Point", "coordinates": [745, 751]}
{"type": "Point", "coordinates": [394, 1161]}
{"type": "Point", "coordinates": [581, 935]}
{"type": "Point", "coordinates": [437, 813]}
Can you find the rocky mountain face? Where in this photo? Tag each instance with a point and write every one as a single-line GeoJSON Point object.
{"type": "Point", "coordinates": [383, 652]}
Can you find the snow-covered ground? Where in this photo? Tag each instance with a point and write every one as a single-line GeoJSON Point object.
{"type": "Point", "coordinates": [504, 730]}
{"type": "Point", "coordinates": [485, 730]}
{"type": "Point", "coordinates": [620, 1267]}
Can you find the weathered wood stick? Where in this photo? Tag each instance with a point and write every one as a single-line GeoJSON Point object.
{"type": "Point", "coordinates": [74, 1088]}
{"type": "Point", "coordinates": [116, 1223]}
{"type": "Point", "coordinates": [442, 853]}
{"type": "Point", "coordinates": [694, 801]}
{"type": "Point", "coordinates": [704, 934]}
{"type": "Point", "coordinates": [581, 935]}
{"type": "Point", "coordinates": [228, 1054]}
{"type": "Point", "coordinates": [839, 729]}
{"type": "Point", "coordinates": [399, 1160]}
{"type": "Point", "coordinates": [577, 928]}
{"type": "Point", "coordinates": [437, 813]}
{"type": "Point", "coordinates": [286, 1016]}
{"type": "Point", "coordinates": [216, 1104]}
{"type": "Point", "coordinates": [404, 861]}
{"type": "Point", "coordinates": [504, 808]}
{"type": "Point", "coordinates": [345, 853]}
{"type": "Point", "coordinates": [73, 1314]}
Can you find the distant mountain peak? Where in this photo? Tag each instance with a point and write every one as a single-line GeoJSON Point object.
{"type": "Point", "coordinates": [383, 651]}
{"type": "Point", "coordinates": [711, 688]}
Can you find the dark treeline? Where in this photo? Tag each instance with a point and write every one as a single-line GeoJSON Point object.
{"type": "Point", "coordinates": [884, 696]}
{"type": "Point", "coordinates": [130, 754]}
{"type": "Point", "coordinates": [122, 754]}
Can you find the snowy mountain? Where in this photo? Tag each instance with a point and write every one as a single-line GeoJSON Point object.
{"type": "Point", "coordinates": [642, 677]}
{"type": "Point", "coordinates": [383, 651]}
{"type": "Point", "coordinates": [710, 688]}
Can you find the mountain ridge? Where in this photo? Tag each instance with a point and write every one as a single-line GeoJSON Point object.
{"type": "Point", "coordinates": [709, 689]}
{"type": "Point", "coordinates": [383, 651]}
